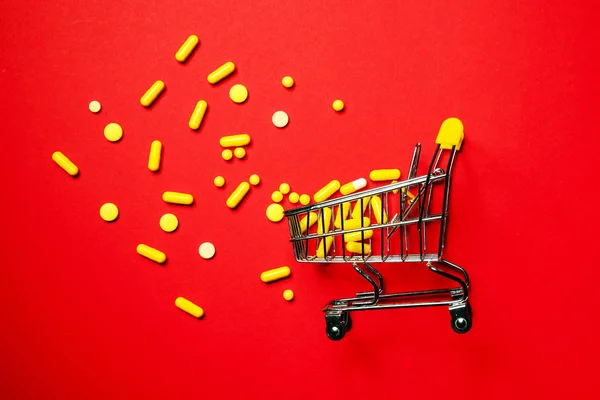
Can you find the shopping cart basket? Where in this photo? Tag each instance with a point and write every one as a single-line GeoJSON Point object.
{"type": "Point", "coordinates": [373, 235]}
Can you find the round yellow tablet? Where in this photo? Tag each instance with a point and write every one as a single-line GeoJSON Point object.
{"type": "Point", "coordinates": [288, 295]}
{"type": "Point", "coordinates": [276, 196]}
{"type": "Point", "coordinates": [284, 188]}
{"type": "Point", "coordinates": [275, 212]}
{"type": "Point", "coordinates": [254, 179]}
{"type": "Point", "coordinates": [304, 199]}
{"type": "Point", "coordinates": [113, 132]}
{"type": "Point", "coordinates": [109, 212]}
{"type": "Point", "coordinates": [227, 154]}
{"type": "Point", "coordinates": [287, 81]}
{"type": "Point", "coordinates": [239, 152]}
{"type": "Point", "coordinates": [280, 119]}
{"type": "Point", "coordinates": [206, 250]}
{"type": "Point", "coordinates": [338, 105]}
{"type": "Point", "coordinates": [168, 222]}
{"type": "Point", "coordinates": [95, 106]}
{"type": "Point", "coordinates": [294, 197]}
{"type": "Point", "coordinates": [219, 181]}
{"type": "Point", "coordinates": [238, 93]}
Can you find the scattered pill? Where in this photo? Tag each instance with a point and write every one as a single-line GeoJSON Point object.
{"type": "Point", "coordinates": [378, 211]}
{"type": "Point", "coordinates": [219, 181]}
{"type": "Point", "coordinates": [152, 94]}
{"type": "Point", "coordinates": [206, 250]}
{"type": "Point", "coordinates": [154, 157]}
{"type": "Point", "coordinates": [304, 199]}
{"type": "Point", "coordinates": [308, 221]}
{"type": "Point", "coordinates": [198, 115]}
{"type": "Point", "coordinates": [239, 152]}
{"type": "Point", "coordinates": [178, 198]}
{"type": "Point", "coordinates": [357, 247]}
{"type": "Point", "coordinates": [189, 307]}
{"type": "Point", "coordinates": [275, 212]}
{"type": "Point", "coordinates": [227, 154]}
{"type": "Point", "coordinates": [284, 188]}
{"type": "Point", "coordinates": [360, 207]}
{"type": "Point", "coordinates": [254, 179]}
{"type": "Point", "coordinates": [109, 212]}
{"type": "Point", "coordinates": [353, 186]}
{"type": "Point", "coordinates": [287, 81]}
{"type": "Point", "coordinates": [276, 196]}
{"type": "Point", "coordinates": [113, 132]}
{"type": "Point", "coordinates": [151, 253]}
{"type": "Point", "coordinates": [235, 140]}
{"type": "Point", "coordinates": [169, 222]}
{"type": "Point", "coordinates": [294, 197]}
{"type": "Point", "coordinates": [280, 119]}
{"type": "Point", "coordinates": [342, 213]}
{"type": "Point", "coordinates": [275, 274]}
{"type": "Point", "coordinates": [378, 175]}
{"type": "Point", "coordinates": [288, 295]}
{"type": "Point", "coordinates": [358, 236]}
{"type": "Point", "coordinates": [95, 106]}
{"type": "Point", "coordinates": [238, 93]}
{"type": "Point", "coordinates": [66, 164]}
{"type": "Point", "coordinates": [221, 73]}
{"type": "Point", "coordinates": [327, 191]}
{"type": "Point", "coordinates": [186, 48]}
{"type": "Point", "coordinates": [238, 195]}
{"type": "Point", "coordinates": [338, 105]}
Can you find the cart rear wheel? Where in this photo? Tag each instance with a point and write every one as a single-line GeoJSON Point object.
{"type": "Point", "coordinates": [461, 320]}
{"type": "Point", "coordinates": [338, 323]}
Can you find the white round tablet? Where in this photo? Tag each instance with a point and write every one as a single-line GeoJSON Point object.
{"type": "Point", "coordinates": [206, 250]}
{"type": "Point", "coordinates": [280, 119]}
{"type": "Point", "coordinates": [94, 106]}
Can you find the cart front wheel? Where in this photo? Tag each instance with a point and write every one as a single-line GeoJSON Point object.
{"type": "Point", "coordinates": [338, 323]}
{"type": "Point", "coordinates": [461, 320]}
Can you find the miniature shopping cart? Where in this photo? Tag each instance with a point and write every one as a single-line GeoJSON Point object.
{"type": "Point", "coordinates": [400, 222]}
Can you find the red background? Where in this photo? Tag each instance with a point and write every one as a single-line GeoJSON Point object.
{"type": "Point", "coordinates": [84, 316]}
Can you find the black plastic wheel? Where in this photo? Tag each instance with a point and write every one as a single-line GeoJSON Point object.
{"type": "Point", "coordinates": [461, 320]}
{"type": "Point", "coordinates": [338, 323]}
{"type": "Point", "coordinates": [336, 331]}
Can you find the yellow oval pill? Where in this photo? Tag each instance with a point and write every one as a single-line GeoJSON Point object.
{"type": "Point", "coordinates": [254, 179]}
{"type": "Point", "coordinates": [235, 140]}
{"type": "Point", "coordinates": [275, 274]}
{"type": "Point", "coordinates": [207, 250]}
{"type": "Point", "coordinates": [169, 222]}
{"type": "Point", "coordinates": [353, 186]}
{"type": "Point", "coordinates": [275, 212]}
{"type": "Point", "coordinates": [219, 181]}
{"type": "Point", "coordinates": [238, 93]}
{"type": "Point", "coordinates": [152, 94]}
{"type": "Point", "coordinates": [109, 212]}
{"type": "Point", "coordinates": [357, 236]}
{"type": "Point", "coordinates": [378, 210]}
{"type": "Point", "coordinates": [154, 157]}
{"type": "Point", "coordinates": [294, 197]}
{"type": "Point", "coordinates": [287, 81]}
{"type": "Point", "coordinates": [327, 191]}
{"type": "Point", "coordinates": [284, 188]}
{"type": "Point", "coordinates": [189, 307]}
{"type": "Point", "coordinates": [151, 253]}
{"type": "Point", "coordinates": [198, 115]}
{"type": "Point", "coordinates": [304, 199]}
{"type": "Point", "coordinates": [342, 213]}
{"type": "Point", "coordinates": [66, 164]}
{"type": "Point", "coordinates": [288, 295]}
{"type": "Point", "coordinates": [239, 152]}
{"type": "Point", "coordinates": [95, 106]}
{"type": "Point", "coordinates": [324, 221]}
{"type": "Point", "coordinates": [356, 223]}
{"type": "Point", "coordinates": [378, 175]}
{"type": "Point", "coordinates": [186, 48]}
{"type": "Point", "coordinates": [178, 198]}
{"type": "Point", "coordinates": [276, 196]}
{"type": "Point", "coordinates": [308, 221]}
{"type": "Point", "coordinates": [221, 73]}
{"type": "Point", "coordinates": [357, 247]}
{"type": "Point", "coordinates": [113, 132]}
{"type": "Point", "coordinates": [321, 253]}
{"type": "Point", "coordinates": [338, 105]}
{"type": "Point", "coordinates": [227, 154]}
{"type": "Point", "coordinates": [238, 195]}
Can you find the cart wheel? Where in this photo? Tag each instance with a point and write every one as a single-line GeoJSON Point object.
{"type": "Point", "coordinates": [461, 321]}
{"type": "Point", "coordinates": [338, 323]}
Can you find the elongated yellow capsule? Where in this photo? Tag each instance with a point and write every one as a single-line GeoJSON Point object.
{"type": "Point", "coordinates": [321, 253]}
{"type": "Point", "coordinates": [151, 253]}
{"type": "Point", "coordinates": [154, 157]}
{"type": "Point", "coordinates": [221, 73]}
{"type": "Point", "coordinates": [357, 236]}
{"type": "Point", "coordinates": [186, 48]}
{"type": "Point", "coordinates": [189, 307]}
{"type": "Point", "coordinates": [378, 175]}
{"type": "Point", "coordinates": [342, 213]}
{"type": "Point", "coordinates": [359, 211]}
{"type": "Point", "coordinates": [310, 219]}
{"type": "Point", "coordinates": [178, 198]}
{"type": "Point", "coordinates": [152, 94]}
{"type": "Point", "coordinates": [235, 140]}
{"type": "Point", "coordinates": [327, 191]}
{"type": "Point", "coordinates": [65, 163]}
{"type": "Point", "coordinates": [356, 223]}
{"type": "Point", "coordinates": [275, 274]}
{"type": "Point", "coordinates": [377, 210]}
{"type": "Point", "coordinates": [353, 186]}
{"type": "Point", "coordinates": [198, 115]}
{"type": "Point", "coordinates": [357, 247]}
{"type": "Point", "coordinates": [238, 195]}
{"type": "Point", "coordinates": [324, 221]}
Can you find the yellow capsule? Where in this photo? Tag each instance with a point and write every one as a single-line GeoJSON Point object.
{"type": "Point", "coordinates": [353, 186]}
{"type": "Point", "coordinates": [378, 175]}
{"type": "Point", "coordinates": [152, 94]}
{"type": "Point", "coordinates": [342, 213]}
{"type": "Point", "coordinates": [356, 223]}
{"type": "Point", "coordinates": [65, 163]}
{"type": "Point", "coordinates": [359, 211]}
{"type": "Point", "coordinates": [238, 195]}
{"type": "Point", "coordinates": [324, 221]}
{"type": "Point", "coordinates": [357, 247]}
{"type": "Point", "coordinates": [189, 307]}
{"type": "Point", "coordinates": [235, 140]}
{"type": "Point", "coordinates": [186, 48]}
{"type": "Point", "coordinates": [357, 236]}
{"type": "Point", "coordinates": [377, 210]}
{"type": "Point", "coordinates": [154, 157]}
{"type": "Point", "coordinates": [151, 253]}
{"type": "Point", "coordinates": [221, 73]}
{"type": "Point", "coordinates": [451, 134]}
{"type": "Point", "coordinates": [321, 253]}
{"type": "Point", "coordinates": [198, 115]}
{"type": "Point", "coordinates": [275, 274]}
{"type": "Point", "coordinates": [310, 219]}
{"type": "Point", "coordinates": [327, 191]}
{"type": "Point", "coordinates": [178, 198]}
